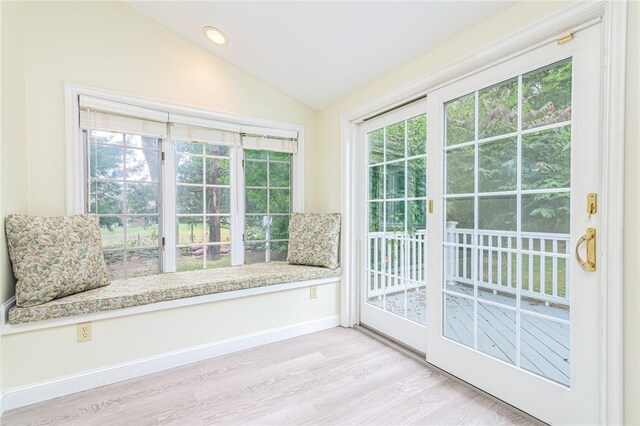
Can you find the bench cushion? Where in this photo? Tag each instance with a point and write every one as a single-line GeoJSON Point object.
{"type": "Point", "coordinates": [170, 286]}
{"type": "Point", "coordinates": [314, 239]}
{"type": "Point", "coordinates": [55, 256]}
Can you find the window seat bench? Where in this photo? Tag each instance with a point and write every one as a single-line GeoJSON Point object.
{"type": "Point", "coordinates": [150, 289]}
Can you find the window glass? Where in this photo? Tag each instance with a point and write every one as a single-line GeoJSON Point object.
{"type": "Point", "coordinates": [507, 224]}
{"type": "Point", "coordinates": [158, 185]}
{"type": "Point", "coordinates": [397, 206]}
{"type": "Point", "coordinates": [123, 188]}
{"type": "Point", "coordinates": [203, 206]}
{"type": "Point", "coordinates": [268, 205]}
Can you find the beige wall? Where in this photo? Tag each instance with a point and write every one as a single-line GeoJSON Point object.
{"type": "Point", "coordinates": [13, 165]}
{"type": "Point", "coordinates": [326, 198]}
{"type": "Point", "coordinates": [13, 160]}
{"type": "Point", "coordinates": [632, 223]}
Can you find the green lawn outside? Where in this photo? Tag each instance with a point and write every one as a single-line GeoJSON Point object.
{"type": "Point", "coordinates": [147, 236]}
{"type": "Point", "coordinates": [185, 263]}
{"type": "Point", "coordinates": [548, 270]}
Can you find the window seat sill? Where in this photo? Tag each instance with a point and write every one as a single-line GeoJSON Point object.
{"type": "Point", "coordinates": [236, 281]}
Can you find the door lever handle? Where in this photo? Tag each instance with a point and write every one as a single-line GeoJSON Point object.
{"type": "Point", "coordinates": [590, 239]}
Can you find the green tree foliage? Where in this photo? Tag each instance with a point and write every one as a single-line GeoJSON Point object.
{"type": "Point", "coordinates": [547, 95]}
{"type": "Point", "coordinates": [498, 109]}
{"type": "Point", "coordinates": [461, 118]}
{"type": "Point", "coordinates": [107, 156]}
{"type": "Point", "coordinates": [208, 167]}
{"type": "Point", "coordinates": [205, 166]}
{"type": "Point", "coordinates": [417, 173]}
{"type": "Point", "coordinates": [398, 171]}
{"type": "Point", "coordinates": [108, 195]}
{"type": "Point", "coordinates": [546, 154]}
{"type": "Point", "coordinates": [218, 173]}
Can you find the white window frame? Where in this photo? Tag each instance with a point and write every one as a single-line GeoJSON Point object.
{"type": "Point", "coordinates": [125, 215]}
{"type": "Point", "coordinates": [75, 181]}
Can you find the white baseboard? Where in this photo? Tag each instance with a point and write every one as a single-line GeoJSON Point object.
{"type": "Point", "coordinates": [49, 389]}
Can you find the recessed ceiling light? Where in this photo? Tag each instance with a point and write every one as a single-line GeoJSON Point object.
{"type": "Point", "coordinates": [215, 35]}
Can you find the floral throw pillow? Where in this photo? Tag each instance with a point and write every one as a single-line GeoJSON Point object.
{"type": "Point", "coordinates": [314, 239]}
{"type": "Point", "coordinates": [54, 257]}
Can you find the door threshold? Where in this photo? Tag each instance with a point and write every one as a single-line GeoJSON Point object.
{"type": "Point", "coordinates": [421, 358]}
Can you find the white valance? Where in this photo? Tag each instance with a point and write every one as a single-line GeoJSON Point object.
{"type": "Point", "coordinates": [204, 122]}
{"type": "Point", "coordinates": [230, 126]}
{"type": "Point", "coordinates": [269, 132]}
{"type": "Point", "coordinates": [110, 116]}
{"type": "Point", "coordinates": [267, 143]}
{"type": "Point", "coordinates": [185, 132]}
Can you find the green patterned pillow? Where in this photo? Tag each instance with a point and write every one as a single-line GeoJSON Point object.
{"type": "Point", "coordinates": [314, 239]}
{"type": "Point", "coordinates": [54, 256]}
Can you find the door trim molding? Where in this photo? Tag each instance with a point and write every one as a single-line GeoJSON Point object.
{"type": "Point", "coordinates": [614, 14]}
{"type": "Point", "coordinates": [613, 125]}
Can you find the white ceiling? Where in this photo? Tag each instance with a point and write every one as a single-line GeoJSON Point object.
{"type": "Point", "coordinates": [320, 51]}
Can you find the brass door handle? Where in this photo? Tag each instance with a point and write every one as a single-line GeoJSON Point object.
{"type": "Point", "coordinates": [590, 239]}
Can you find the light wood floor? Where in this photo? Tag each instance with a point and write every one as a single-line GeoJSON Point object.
{"type": "Point", "coordinates": [337, 376]}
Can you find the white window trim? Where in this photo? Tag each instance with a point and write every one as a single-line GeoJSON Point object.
{"type": "Point", "coordinates": [238, 201]}
{"type": "Point", "coordinates": [614, 15]}
{"type": "Point", "coordinates": [75, 184]}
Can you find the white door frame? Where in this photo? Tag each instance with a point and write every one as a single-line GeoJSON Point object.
{"type": "Point", "coordinates": [614, 15]}
{"type": "Point", "coordinates": [404, 330]}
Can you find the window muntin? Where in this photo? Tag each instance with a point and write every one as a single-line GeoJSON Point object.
{"type": "Point", "coordinates": [203, 205]}
{"type": "Point", "coordinates": [123, 187]}
{"type": "Point", "coordinates": [267, 206]}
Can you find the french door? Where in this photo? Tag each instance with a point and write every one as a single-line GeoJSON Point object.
{"type": "Point", "coordinates": [508, 251]}
{"type": "Point", "coordinates": [393, 171]}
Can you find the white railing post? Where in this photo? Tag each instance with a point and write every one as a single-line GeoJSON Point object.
{"type": "Point", "coordinates": [451, 250]}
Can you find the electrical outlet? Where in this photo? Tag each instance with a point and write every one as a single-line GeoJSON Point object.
{"type": "Point", "coordinates": [313, 292]}
{"type": "Point", "coordinates": [84, 332]}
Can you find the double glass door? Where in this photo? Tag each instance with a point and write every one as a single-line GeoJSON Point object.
{"type": "Point", "coordinates": [483, 271]}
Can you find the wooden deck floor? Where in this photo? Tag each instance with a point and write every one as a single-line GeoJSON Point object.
{"type": "Point", "coordinates": [544, 343]}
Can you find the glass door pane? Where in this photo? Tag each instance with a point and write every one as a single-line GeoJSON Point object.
{"type": "Point", "coordinates": [397, 208]}
{"type": "Point", "coordinates": [507, 156]}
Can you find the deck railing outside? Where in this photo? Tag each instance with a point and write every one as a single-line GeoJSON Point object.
{"type": "Point", "coordinates": [543, 256]}
{"type": "Point", "coordinates": [390, 255]}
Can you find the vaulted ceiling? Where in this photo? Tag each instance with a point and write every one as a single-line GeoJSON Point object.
{"type": "Point", "coordinates": [320, 51]}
